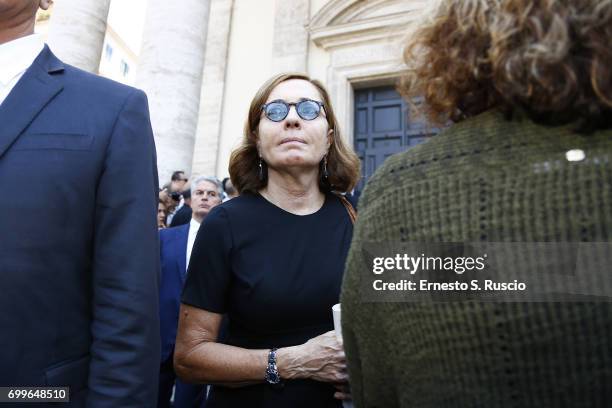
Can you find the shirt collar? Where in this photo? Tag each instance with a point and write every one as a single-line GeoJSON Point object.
{"type": "Point", "coordinates": [16, 56]}
{"type": "Point", "coordinates": [194, 226]}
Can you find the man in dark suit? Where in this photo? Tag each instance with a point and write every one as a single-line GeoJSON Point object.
{"type": "Point", "coordinates": [183, 215]}
{"type": "Point", "coordinates": [78, 238]}
{"type": "Point", "coordinates": [175, 250]}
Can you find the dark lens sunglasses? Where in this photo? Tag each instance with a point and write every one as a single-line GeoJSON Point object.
{"type": "Point", "coordinates": [306, 109]}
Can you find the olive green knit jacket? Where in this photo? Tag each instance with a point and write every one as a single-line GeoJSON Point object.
{"type": "Point", "coordinates": [485, 179]}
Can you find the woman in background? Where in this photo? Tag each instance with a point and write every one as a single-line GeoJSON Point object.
{"type": "Point", "coordinates": [161, 213]}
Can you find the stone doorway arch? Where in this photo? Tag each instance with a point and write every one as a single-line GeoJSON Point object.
{"type": "Point", "coordinates": [363, 39]}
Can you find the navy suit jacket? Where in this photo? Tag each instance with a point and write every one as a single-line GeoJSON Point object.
{"type": "Point", "coordinates": [79, 270]}
{"type": "Point", "coordinates": [182, 216]}
{"type": "Point", "coordinates": [173, 253]}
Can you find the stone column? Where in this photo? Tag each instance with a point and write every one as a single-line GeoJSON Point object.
{"type": "Point", "coordinates": [206, 149]}
{"type": "Point", "coordinates": [290, 51]}
{"type": "Point", "coordinates": [170, 72]}
{"type": "Point", "coordinates": [76, 31]}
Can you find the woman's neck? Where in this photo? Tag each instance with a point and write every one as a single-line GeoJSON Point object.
{"type": "Point", "coordinates": [296, 193]}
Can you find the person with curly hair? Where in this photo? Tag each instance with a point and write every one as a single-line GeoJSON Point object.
{"type": "Point", "coordinates": [527, 86]}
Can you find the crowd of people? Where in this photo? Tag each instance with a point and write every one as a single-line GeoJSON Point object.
{"type": "Point", "coordinates": [174, 206]}
{"type": "Point", "coordinates": [227, 303]}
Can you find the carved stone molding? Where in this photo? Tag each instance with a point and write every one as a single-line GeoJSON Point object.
{"type": "Point", "coordinates": [346, 22]}
{"type": "Point", "coordinates": [364, 39]}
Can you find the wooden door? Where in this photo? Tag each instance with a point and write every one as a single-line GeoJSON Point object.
{"type": "Point", "coordinates": [383, 127]}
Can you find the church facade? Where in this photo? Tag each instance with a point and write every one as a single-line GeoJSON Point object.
{"type": "Point", "coordinates": [201, 64]}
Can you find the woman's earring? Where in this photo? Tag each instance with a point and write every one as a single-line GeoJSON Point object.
{"type": "Point", "coordinates": [325, 173]}
{"type": "Point", "coordinates": [261, 175]}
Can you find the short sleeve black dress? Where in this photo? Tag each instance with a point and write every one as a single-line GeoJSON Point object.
{"type": "Point", "coordinates": [276, 275]}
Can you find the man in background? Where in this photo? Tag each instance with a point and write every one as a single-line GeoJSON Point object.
{"type": "Point", "coordinates": [183, 214]}
{"type": "Point", "coordinates": [174, 189]}
{"type": "Point", "coordinates": [230, 190]}
{"type": "Point", "coordinates": [78, 270]}
{"type": "Point", "coordinates": [178, 180]}
{"type": "Point", "coordinates": [175, 251]}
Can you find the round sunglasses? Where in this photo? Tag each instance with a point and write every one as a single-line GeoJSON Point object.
{"type": "Point", "coordinates": [306, 109]}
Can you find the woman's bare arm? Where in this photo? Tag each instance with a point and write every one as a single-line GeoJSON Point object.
{"type": "Point", "coordinates": [198, 358]}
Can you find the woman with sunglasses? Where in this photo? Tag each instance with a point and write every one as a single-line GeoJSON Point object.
{"type": "Point", "coordinates": [272, 260]}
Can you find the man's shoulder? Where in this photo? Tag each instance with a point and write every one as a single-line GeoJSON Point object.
{"type": "Point", "coordinates": [80, 82]}
{"type": "Point", "coordinates": [95, 86]}
{"type": "Point", "coordinates": [185, 209]}
{"type": "Point", "coordinates": [172, 232]}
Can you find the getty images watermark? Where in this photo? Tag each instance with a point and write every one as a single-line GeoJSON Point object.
{"type": "Point", "coordinates": [488, 271]}
{"type": "Point", "coordinates": [422, 263]}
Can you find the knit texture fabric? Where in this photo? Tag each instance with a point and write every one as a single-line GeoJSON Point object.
{"type": "Point", "coordinates": [485, 179]}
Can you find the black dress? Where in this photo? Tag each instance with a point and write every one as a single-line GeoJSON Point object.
{"type": "Point", "coordinates": [276, 275]}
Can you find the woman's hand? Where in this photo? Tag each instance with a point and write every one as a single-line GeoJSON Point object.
{"type": "Point", "coordinates": [320, 358]}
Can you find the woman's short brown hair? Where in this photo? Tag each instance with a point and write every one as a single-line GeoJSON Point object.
{"type": "Point", "coordinates": [549, 58]}
{"type": "Point", "coordinates": [343, 165]}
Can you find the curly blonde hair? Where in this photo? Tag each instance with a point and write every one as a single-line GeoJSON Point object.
{"type": "Point", "coordinates": [549, 58]}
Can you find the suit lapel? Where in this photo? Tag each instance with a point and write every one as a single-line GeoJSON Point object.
{"type": "Point", "coordinates": [31, 94]}
{"type": "Point", "coordinates": [182, 251]}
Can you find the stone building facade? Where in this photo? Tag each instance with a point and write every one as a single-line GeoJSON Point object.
{"type": "Point", "coordinates": [202, 62]}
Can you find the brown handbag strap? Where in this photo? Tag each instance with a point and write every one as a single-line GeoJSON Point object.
{"type": "Point", "coordinates": [349, 208]}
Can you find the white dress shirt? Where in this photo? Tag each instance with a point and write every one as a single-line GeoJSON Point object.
{"type": "Point", "coordinates": [194, 226]}
{"type": "Point", "coordinates": [15, 58]}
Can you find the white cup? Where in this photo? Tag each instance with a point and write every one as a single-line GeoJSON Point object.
{"type": "Point", "coordinates": [336, 313]}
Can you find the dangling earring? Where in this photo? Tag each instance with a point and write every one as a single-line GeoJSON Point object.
{"type": "Point", "coordinates": [325, 173]}
{"type": "Point", "coordinates": [261, 175]}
